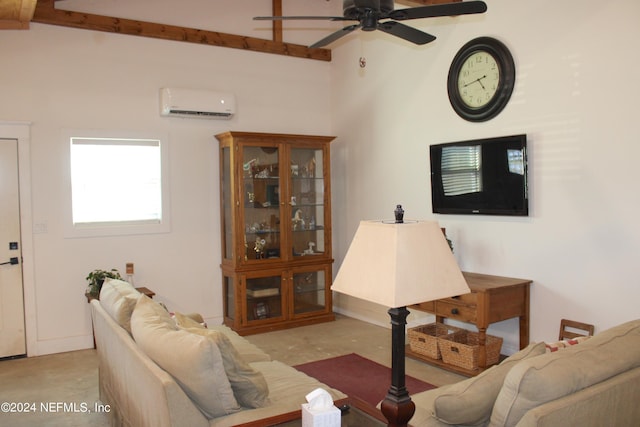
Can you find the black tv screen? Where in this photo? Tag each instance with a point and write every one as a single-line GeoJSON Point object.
{"type": "Point", "coordinates": [482, 176]}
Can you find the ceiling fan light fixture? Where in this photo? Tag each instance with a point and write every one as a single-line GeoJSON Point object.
{"type": "Point", "coordinates": [369, 20]}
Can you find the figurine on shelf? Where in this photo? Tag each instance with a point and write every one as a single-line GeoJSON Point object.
{"type": "Point", "coordinates": [298, 221]}
{"type": "Point", "coordinates": [264, 173]}
{"type": "Point", "coordinates": [248, 166]}
{"type": "Point", "coordinates": [259, 247]}
{"type": "Point", "coordinates": [311, 168]}
{"type": "Point", "coordinates": [309, 251]}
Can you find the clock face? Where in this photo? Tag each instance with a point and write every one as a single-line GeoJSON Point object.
{"type": "Point", "coordinates": [478, 79]}
{"type": "Point", "coordinates": [481, 79]}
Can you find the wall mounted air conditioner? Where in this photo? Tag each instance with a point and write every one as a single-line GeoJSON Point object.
{"type": "Point", "coordinates": [197, 103]}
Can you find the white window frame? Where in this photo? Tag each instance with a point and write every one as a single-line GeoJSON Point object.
{"type": "Point", "coordinates": [117, 228]}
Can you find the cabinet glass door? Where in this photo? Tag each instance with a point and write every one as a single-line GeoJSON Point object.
{"type": "Point", "coordinates": [261, 203]}
{"type": "Point", "coordinates": [229, 293]}
{"type": "Point", "coordinates": [264, 298]}
{"type": "Point", "coordinates": [225, 190]}
{"type": "Point", "coordinates": [307, 202]}
{"type": "Point", "coordinates": [309, 291]}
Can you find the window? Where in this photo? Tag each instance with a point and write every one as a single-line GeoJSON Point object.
{"type": "Point", "coordinates": [515, 159]}
{"type": "Point", "coordinates": [117, 186]}
{"type": "Point", "coordinates": [461, 170]}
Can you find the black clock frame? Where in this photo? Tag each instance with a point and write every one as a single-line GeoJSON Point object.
{"type": "Point", "coordinates": [505, 62]}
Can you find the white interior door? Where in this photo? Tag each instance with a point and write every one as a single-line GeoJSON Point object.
{"type": "Point", "coordinates": [12, 325]}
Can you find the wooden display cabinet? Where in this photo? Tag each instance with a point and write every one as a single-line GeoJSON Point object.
{"type": "Point", "coordinates": [276, 230]}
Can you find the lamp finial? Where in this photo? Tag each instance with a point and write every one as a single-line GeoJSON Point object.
{"type": "Point", "coordinates": [399, 213]}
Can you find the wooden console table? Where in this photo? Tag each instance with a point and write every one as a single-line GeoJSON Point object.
{"type": "Point", "coordinates": [492, 299]}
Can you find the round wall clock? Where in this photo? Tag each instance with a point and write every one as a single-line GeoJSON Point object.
{"type": "Point", "coordinates": [481, 79]}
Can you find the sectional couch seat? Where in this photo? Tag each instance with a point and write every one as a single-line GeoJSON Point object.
{"type": "Point", "coordinates": [156, 370]}
{"type": "Point", "coordinates": [593, 384]}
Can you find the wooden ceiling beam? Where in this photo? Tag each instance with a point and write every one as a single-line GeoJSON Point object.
{"type": "Point", "coordinates": [46, 13]}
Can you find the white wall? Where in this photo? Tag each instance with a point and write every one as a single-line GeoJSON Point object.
{"type": "Point", "coordinates": [575, 98]}
{"type": "Point", "coordinates": [60, 78]}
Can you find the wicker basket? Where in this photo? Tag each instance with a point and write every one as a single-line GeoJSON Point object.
{"type": "Point", "coordinates": [424, 339]}
{"type": "Point", "coordinates": [462, 350]}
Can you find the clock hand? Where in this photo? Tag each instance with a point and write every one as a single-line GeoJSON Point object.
{"type": "Point", "coordinates": [477, 80]}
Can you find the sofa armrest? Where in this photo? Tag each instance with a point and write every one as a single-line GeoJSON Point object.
{"type": "Point", "coordinates": [137, 390]}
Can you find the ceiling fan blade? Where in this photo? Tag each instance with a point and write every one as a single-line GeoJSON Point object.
{"type": "Point", "coordinates": [405, 32]}
{"type": "Point", "coordinates": [335, 36]}
{"type": "Point", "coordinates": [447, 9]}
{"type": "Point", "coordinates": [283, 18]}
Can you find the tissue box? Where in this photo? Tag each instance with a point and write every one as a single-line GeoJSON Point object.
{"type": "Point", "coordinates": [329, 417]}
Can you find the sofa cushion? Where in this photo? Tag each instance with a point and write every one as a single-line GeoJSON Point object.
{"type": "Point", "coordinates": [119, 298]}
{"type": "Point", "coordinates": [249, 386]}
{"type": "Point", "coordinates": [193, 360]}
{"type": "Point", "coordinates": [553, 375]}
{"type": "Point", "coordinates": [287, 390]}
{"type": "Point", "coordinates": [470, 401]}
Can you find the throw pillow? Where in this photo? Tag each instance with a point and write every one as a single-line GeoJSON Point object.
{"type": "Point", "coordinates": [470, 402]}
{"type": "Point", "coordinates": [194, 361]}
{"type": "Point", "coordinates": [187, 320]}
{"type": "Point", "coordinates": [250, 353]}
{"type": "Point", "coordinates": [559, 345]}
{"type": "Point", "coordinates": [249, 386]}
{"type": "Point", "coordinates": [119, 298]}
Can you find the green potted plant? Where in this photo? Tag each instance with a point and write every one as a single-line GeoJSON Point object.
{"type": "Point", "coordinates": [97, 277]}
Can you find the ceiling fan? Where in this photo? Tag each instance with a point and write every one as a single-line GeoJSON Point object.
{"type": "Point", "coordinates": [380, 15]}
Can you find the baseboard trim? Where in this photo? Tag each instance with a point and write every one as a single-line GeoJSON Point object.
{"type": "Point", "coordinates": [359, 316]}
{"type": "Point", "coordinates": [62, 345]}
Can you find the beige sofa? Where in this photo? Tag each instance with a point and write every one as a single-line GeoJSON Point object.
{"type": "Point", "coordinates": [211, 377]}
{"type": "Point", "coordinates": [593, 384]}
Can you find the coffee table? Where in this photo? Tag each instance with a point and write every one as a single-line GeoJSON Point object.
{"type": "Point", "coordinates": [359, 414]}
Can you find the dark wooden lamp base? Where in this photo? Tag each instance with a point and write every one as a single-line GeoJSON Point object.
{"type": "Point", "coordinates": [397, 406]}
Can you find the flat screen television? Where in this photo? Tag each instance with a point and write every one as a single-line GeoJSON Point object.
{"type": "Point", "coordinates": [483, 176]}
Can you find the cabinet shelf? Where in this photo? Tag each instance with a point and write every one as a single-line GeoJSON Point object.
{"type": "Point", "coordinates": [317, 228]}
{"type": "Point", "coordinates": [275, 178]}
{"type": "Point", "coordinates": [276, 259]}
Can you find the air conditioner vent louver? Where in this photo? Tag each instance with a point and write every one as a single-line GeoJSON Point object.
{"type": "Point", "coordinates": [196, 103]}
{"type": "Point", "coordinates": [198, 113]}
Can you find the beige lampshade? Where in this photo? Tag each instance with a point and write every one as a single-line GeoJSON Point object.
{"type": "Point", "coordinates": [396, 265]}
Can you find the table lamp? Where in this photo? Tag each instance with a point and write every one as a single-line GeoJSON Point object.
{"type": "Point", "coordinates": [396, 264]}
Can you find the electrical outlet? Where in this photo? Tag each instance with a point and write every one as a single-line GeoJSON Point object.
{"type": "Point", "coordinates": [129, 269]}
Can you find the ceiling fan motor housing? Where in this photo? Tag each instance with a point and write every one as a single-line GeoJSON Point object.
{"type": "Point", "coordinates": [353, 9]}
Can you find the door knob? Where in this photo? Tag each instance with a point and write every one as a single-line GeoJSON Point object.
{"type": "Point", "coordinates": [12, 261]}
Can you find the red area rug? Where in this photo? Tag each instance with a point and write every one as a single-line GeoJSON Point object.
{"type": "Point", "coordinates": [359, 377]}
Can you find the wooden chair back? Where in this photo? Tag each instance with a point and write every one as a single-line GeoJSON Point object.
{"type": "Point", "coordinates": [568, 329]}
